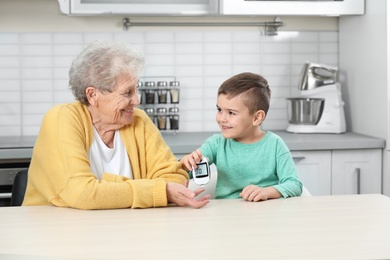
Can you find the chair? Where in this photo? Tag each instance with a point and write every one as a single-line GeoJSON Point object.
{"type": "Point", "coordinates": [305, 192]}
{"type": "Point", "coordinates": [19, 188]}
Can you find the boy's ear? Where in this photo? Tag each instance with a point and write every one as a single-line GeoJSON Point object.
{"type": "Point", "coordinates": [259, 117]}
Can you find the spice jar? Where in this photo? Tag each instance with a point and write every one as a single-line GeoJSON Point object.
{"type": "Point", "coordinates": [149, 93]}
{"type": "Point", "coordinates": [174, 91]}
{"type": "Point", "coordinates": [162, 92]}
{"type": "Point", "coordinates": [150, 112]}
{"type": "Point", "coordinates": [174, 118]}
{"type": "Point", "coordinates": [162, 118]}
{"type": "Point", "coordinates": [139, 87]}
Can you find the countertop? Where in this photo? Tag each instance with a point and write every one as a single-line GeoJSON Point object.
{"type": "Point", "coordinates": [186, 142]}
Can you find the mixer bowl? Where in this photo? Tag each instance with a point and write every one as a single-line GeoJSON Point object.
{"type": "Point", "coordinates": [304, 111]}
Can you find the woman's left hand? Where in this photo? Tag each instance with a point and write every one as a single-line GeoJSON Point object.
{"type": "Point", "coordinates": [183, 196]}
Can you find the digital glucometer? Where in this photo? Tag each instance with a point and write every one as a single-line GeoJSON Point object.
{"type": "Point", "coordinates": [201, 174]}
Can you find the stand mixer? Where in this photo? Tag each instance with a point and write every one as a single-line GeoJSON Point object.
{"type": "Point", "coordinates": [320, 108]}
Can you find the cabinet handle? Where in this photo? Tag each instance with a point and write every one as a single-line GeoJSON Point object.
{"type": "Point", "coordinates": [5, 195]}
{"type": "Point", "coordinates": [358, 179]}
{"type": "Point", "coordinates": [299, 157]}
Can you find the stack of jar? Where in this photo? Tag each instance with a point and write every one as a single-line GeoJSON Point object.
{"type": "Point", "coordinates": [152, 96]}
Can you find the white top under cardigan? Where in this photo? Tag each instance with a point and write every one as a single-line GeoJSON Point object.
{"type": "Point", "coordinates": [111, 160]}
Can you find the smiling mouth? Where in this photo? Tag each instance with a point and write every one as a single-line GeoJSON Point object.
{"type": "Point", "coordinates": [226, 127]}
{"type": "Point", "coordinates": [128, 110]}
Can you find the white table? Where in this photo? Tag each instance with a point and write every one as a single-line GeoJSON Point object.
{"type": "Point", "coordinates": [323, 227]}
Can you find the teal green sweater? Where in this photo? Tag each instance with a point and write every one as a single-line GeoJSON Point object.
{"type": "Point", "coordinates": [264, 163]}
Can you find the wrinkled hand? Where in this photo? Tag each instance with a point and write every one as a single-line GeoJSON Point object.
{"type": "Point", "coordinates": [188, 161]}
{"type": "Point", "coordinates": [183, 196]}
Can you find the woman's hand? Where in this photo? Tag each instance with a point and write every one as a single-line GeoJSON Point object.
{"type": "Point", "coordinates": [188, 161]}
{"type": "Point", "coordinates": [255, 193]}
{"type": "Point", "coordinates": [183, 196]}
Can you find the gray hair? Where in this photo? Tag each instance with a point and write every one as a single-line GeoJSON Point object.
{"type": "Point", "coordinates": [100, 64]}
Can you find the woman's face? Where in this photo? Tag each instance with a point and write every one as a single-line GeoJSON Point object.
{"type": "Point", "coordinates": [117, 108]}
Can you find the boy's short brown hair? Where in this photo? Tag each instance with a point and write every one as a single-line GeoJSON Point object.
{"type": "Point", "coordinates": [254, 87]}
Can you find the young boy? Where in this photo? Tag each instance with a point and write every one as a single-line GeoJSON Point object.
{"type": "Point", "coordinates": [252, 164]}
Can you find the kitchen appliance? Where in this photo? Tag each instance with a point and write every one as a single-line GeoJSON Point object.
{"type": "Point", "coordinates": [320, 108]}
{"type": "Point", "coordinates": [15, 155]}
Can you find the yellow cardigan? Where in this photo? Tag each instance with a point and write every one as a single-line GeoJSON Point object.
{"type": "Point", "coordinates": [60, 174]}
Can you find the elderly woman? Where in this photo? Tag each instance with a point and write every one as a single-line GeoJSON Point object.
{"type": "Point", "coordinates": [101, 152]}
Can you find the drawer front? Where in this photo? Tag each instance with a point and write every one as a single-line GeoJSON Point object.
{"type": "Point", "coordinates": [7, 175]}
{"type": "Point", "coordinates": [314, 170]}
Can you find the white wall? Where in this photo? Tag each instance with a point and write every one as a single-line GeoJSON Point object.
{"type": "Point", "coordinates": [364, 61]}
{"type": "Point", "coordinates": [37, 45]}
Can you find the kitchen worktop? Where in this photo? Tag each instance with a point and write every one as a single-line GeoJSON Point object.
{"type": "Point", "coordinates": [187, 142]}
{"type": "Point", "coordinates": [182, 143]}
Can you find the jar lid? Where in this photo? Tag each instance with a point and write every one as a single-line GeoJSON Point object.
{"type": "Point", "coordinates": [174, 84]}
{"type": "Point", "coordinates": [149, 110]}
{"type": "Point", "coordinates": [150, 84]}
{"type": "Point", "coordinates": [174, 110]}
{"type": "Point", "coordinates": [161, 110]}
{"type": "Point", "coordinates": [162, 84]}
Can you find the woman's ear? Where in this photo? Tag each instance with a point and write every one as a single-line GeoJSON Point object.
{"type": "Point", "coordinates": [91, 94]}
{"type": "Point", "coordinates": [259, 117]}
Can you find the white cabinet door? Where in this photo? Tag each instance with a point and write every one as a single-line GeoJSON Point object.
{"type": "Point", "coordinates": [314, 170]}
{"type": "Point", "coordinates": [356, 171]}
{"type": "Point", "coordinates": [272, 7]}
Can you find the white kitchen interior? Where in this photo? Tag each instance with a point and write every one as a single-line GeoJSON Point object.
{"type": "Point", "coordinates": [38, 42]}
{"type": "Point", "coordinates": [34, 69]}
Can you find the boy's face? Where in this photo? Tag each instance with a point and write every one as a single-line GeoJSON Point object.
{"type": "Point", "coordinates": [234, 119]}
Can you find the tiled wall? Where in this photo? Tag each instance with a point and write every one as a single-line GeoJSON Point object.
{"type": "Point", "coordinates": [34, 69]}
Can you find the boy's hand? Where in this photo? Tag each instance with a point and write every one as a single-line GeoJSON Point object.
{"type": "Point", "coordinates": [255, 193]}
{"type": "Point", "coordinates": [188, 161]}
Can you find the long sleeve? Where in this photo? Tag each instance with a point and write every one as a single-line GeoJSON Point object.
{"type": "Point", "coordinates": [59, 173]}
{"type": "Point", "coordinates": [265, 163]}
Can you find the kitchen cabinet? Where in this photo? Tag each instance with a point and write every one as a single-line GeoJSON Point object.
{"type": "Point", "coordinates": [336, 172]}
{"type": "Point", "coordinates": [364, 59]}
{"type": "Point", "coordinates": [210, 7]}
{"type": "Point", "coordinates": [314, 170]}
{"type": "Point", "coordinates": [356, 172]}
{"type": "Point", "coordinates": [142, 8]}
{"type": "Point", "coordinates": [267, 7]}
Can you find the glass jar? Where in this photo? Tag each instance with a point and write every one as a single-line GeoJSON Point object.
{"type": "Point", "coordinates": [150, 112]}
{"type": "Point", "coordinates": [139, 88]}
{"type": "Point", "coordinates": [174, 91]}
{"type": "Point", "coordinates": [162, 92]}
{"type": "Point", "coordinates": [149, 92]}
{"type": "Point", "coordinates": [174, 118]}
{"type": "Point", "coordinates": [162, 118]}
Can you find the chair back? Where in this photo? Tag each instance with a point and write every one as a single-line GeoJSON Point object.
{"type": "Point", "coordinates": [19, 188]}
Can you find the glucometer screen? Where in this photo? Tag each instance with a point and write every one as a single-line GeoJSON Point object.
{"type": "Point", "coordinates": [201, 171]}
